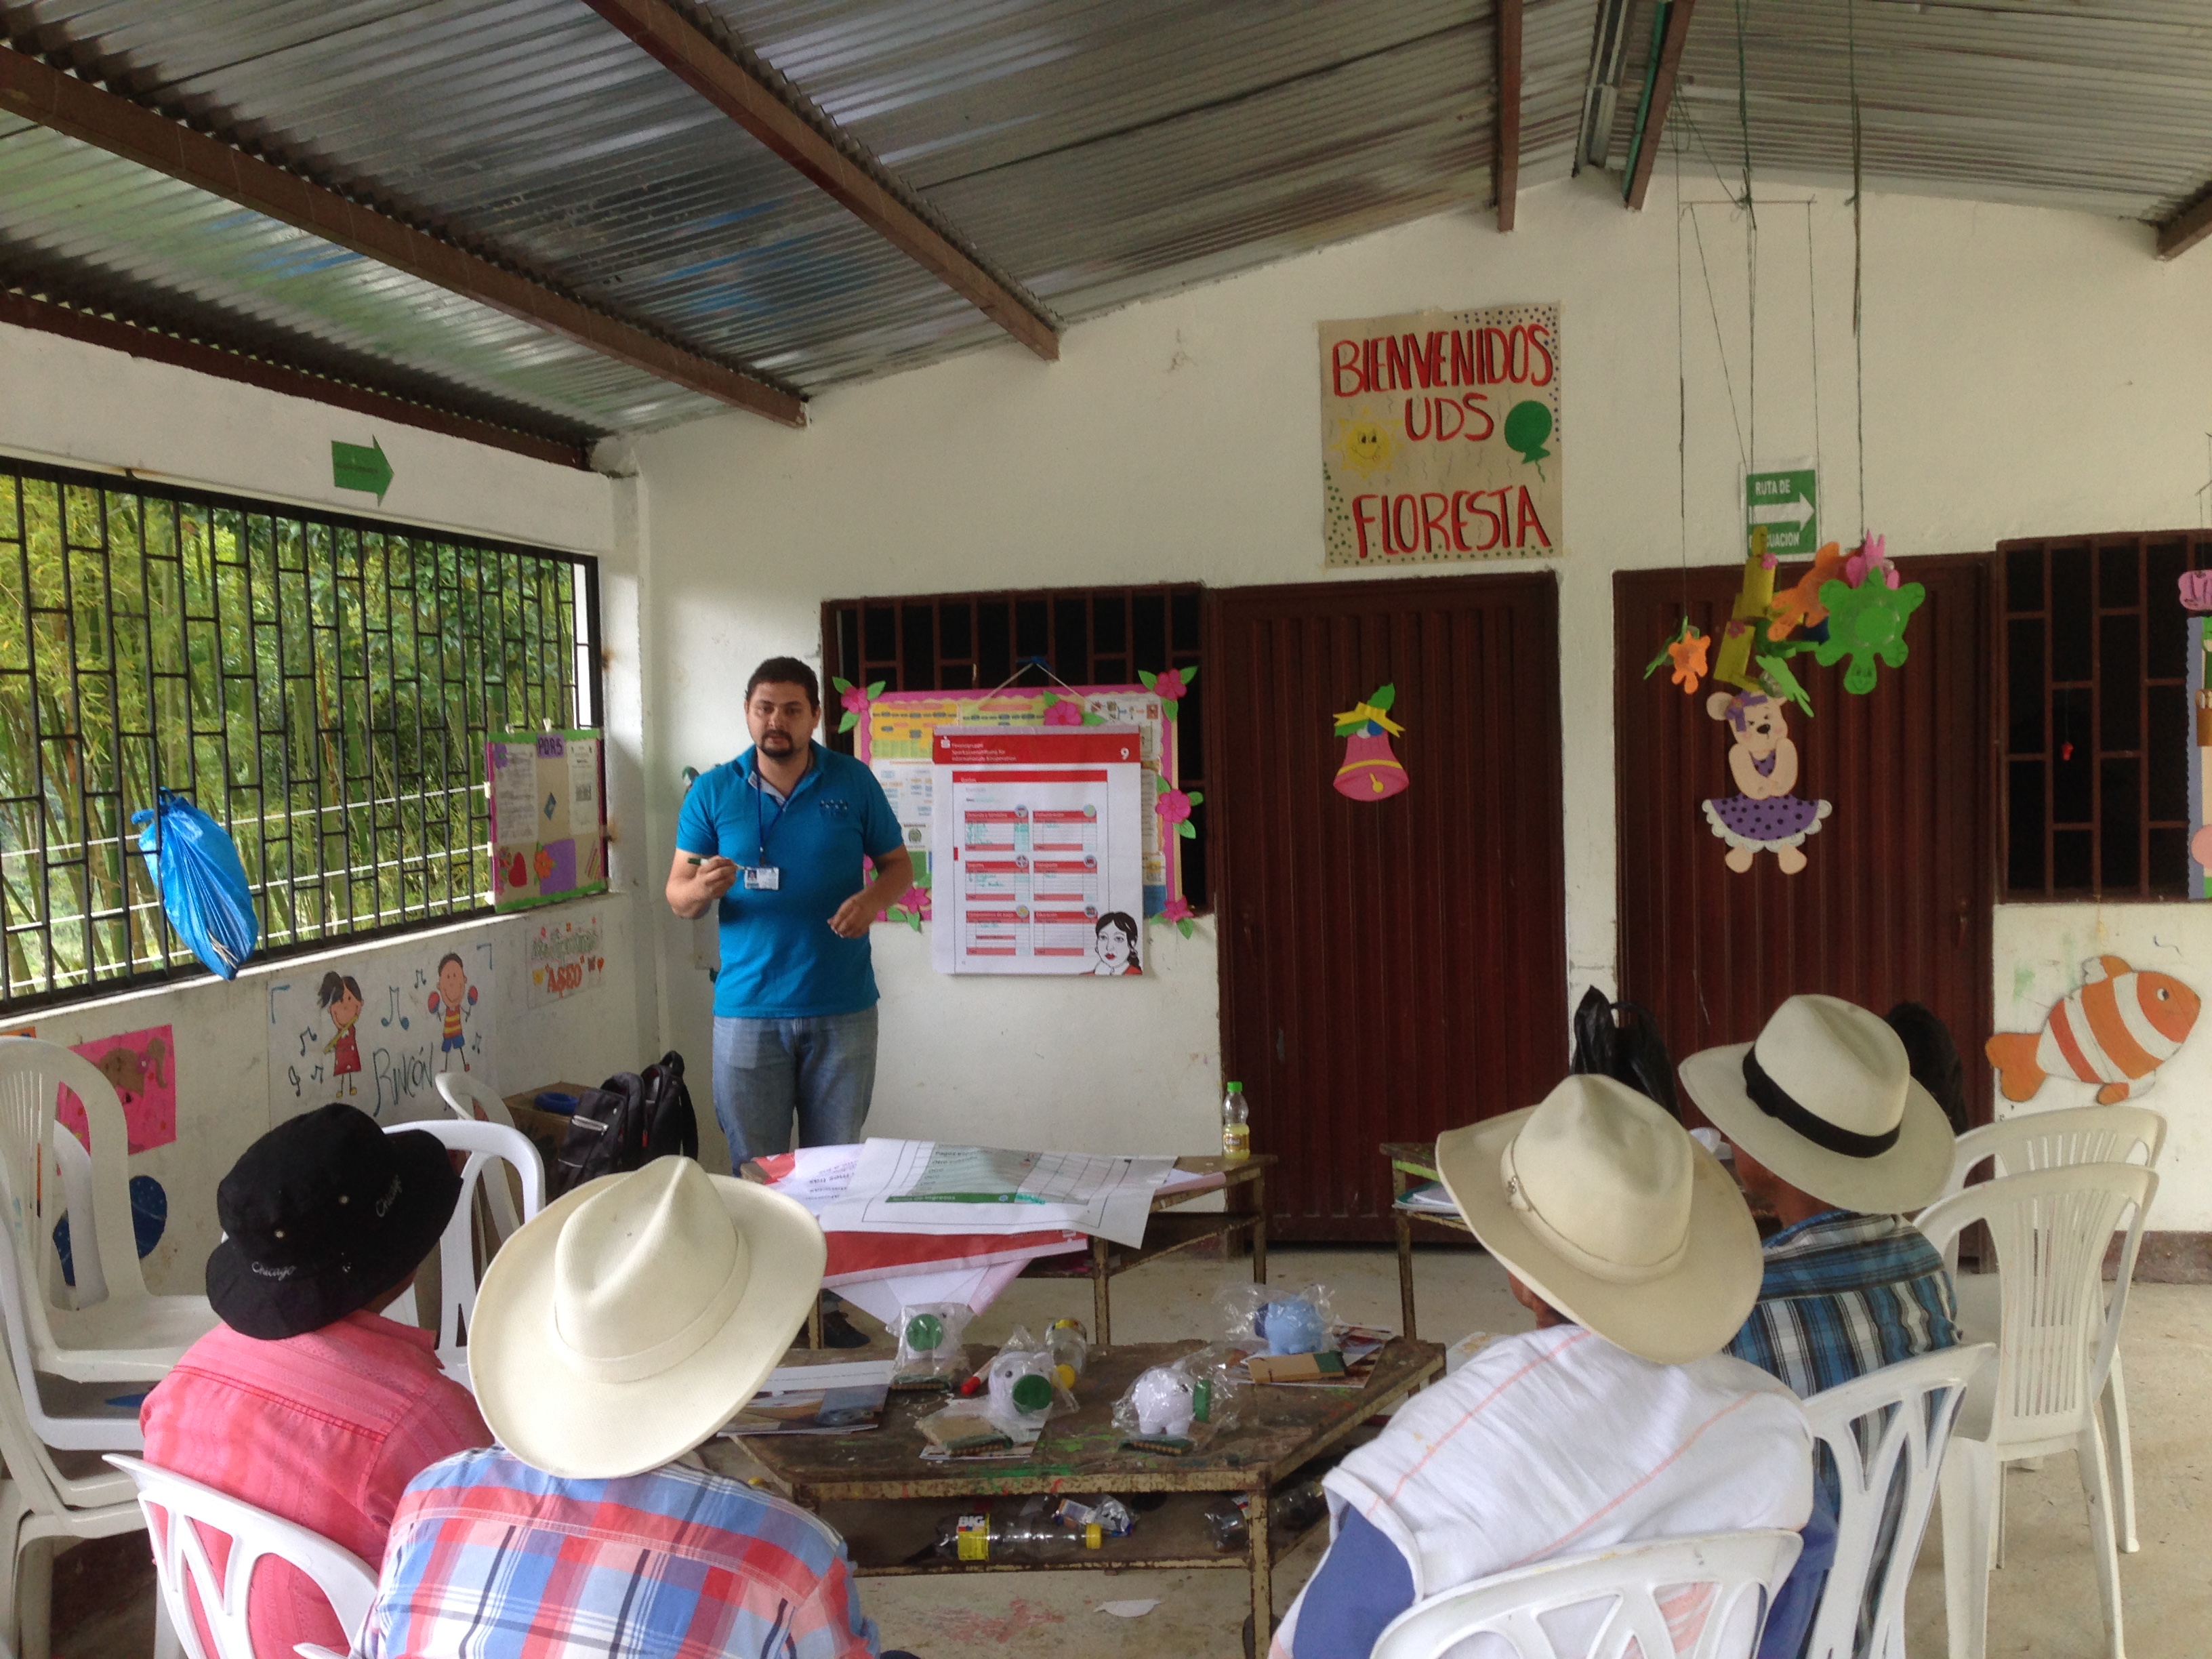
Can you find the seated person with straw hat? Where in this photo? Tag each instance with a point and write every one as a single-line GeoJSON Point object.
{"type": "Point", "coordinates": [1829, 1126]}
{"type": "Point", "coordinates": [615, 1334]}
{"type": "Point", "coordinates": [305, 1401]}
{"type": "Point", "coordinates": [1616, 1420]}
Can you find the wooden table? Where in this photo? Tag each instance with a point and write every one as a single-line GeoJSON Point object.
{"type": "Point", "coordinates": [887, 1503]}
{"type": "Point", "coordinates": [1413, 1161]}
{"type": "Point", "coordinates": [1165, 1234]}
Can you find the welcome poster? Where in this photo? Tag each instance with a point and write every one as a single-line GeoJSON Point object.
{"type": "Point", "coordinates": [1441, 437]}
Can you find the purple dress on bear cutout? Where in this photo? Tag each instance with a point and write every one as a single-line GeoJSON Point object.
{"type": "Point", "coordinates": [1765, 825]}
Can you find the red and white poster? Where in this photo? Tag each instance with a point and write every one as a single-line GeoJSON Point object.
{"type": "Point", "coordinates": [1037, 851]}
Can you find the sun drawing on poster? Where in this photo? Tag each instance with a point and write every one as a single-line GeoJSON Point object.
{"type": "Point", "coordinates": [1364, 443]}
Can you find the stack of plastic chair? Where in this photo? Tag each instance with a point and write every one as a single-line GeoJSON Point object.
{"type": "Point", "coordinates": [127, 1335]}
{"type": "Point", "coordinates": [486, 1145]}
{"type": "Point", "coordinates": [1619, 1589]}
{"type": "Point", "coordinates": [178, 1512]}
{"type": "Point", "coordinates": [1886, 1432]}
{"type": "Point", "coordinates": [2058, 1327]}
{"type": "Point", "coordinates": [2053, 1140]}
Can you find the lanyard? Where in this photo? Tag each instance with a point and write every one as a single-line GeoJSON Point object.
{"type": "Point", "coordinates": [762, 830]}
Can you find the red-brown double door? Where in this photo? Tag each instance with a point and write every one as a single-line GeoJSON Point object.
{"type": "Point", "coordinates": [1390, 968]}
{"type": "Point", "coordinates": [1893, 904]}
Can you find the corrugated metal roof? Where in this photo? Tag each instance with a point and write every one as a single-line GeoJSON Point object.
{"type": "Point", "coordinates": [2104, 107]}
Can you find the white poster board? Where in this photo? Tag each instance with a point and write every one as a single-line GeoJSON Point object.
{"type": "Point", "coordinates": [1036, 841]}
{"type": "Point", "coordinates": [377, 1036]}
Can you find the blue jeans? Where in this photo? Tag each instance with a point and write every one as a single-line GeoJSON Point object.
{"type": "Point", "coordinates": [822, 1069]}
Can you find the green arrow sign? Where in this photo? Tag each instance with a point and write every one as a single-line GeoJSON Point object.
{"type": "Point", "coordinates": [1786, 502]}
{"type": "Point", "coordinates": [365, 468]}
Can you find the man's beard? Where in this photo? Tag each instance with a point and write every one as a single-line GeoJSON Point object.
{"type": "Point", "coordinates": [777, 743]}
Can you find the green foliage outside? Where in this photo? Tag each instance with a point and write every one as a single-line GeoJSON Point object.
{"type": "Point", "coordinates": [323, 691]}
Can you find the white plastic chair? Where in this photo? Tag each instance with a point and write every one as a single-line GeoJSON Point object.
{"type": "Point", "coordinates": [486, 1144]}
{"type": "Point", "coordinates": [82, 1422]}
{"type": "Point", "coordinates": [1907, 1410]}
{"type": "Point", "coordinates": [127, 1335]}
{"type": "Point", "coordinates": [176, 1509]}
{"type": "Point", "coordinates": [2058, 1329]}
{"type": "Point", "coordinates": [471, 1102]}
{"type": "Point", "coordinates": [2051, 1141]}
{"type": "Point", "coordinates": [1738, 1566]}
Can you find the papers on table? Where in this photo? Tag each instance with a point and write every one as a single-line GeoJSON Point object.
{"type": "Point", "coordinates": [844, 1397]}
{"type": "Point", "coordinates": [1430, 1198]}
{"type": "Point", "coordinates": [933, 1186]}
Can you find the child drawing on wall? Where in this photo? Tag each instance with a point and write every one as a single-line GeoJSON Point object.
{"type": "Point", "coordinates": [340, 995]}
{"type": "Point", "coordinates": [454, 997]}
{"type": "Point", "coordinates": [1115, 942]}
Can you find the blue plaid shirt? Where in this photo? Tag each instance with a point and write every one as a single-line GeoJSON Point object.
{"type": "Point", "coordinates": [1844, 1295]}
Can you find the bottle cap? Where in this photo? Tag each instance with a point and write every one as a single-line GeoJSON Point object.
{"type": "Point", "coordinates": [1094, 1536]}
{"type": "Point", "coordinates": [1235, 1088]}
{"type": "Point", "coordinates": [924, 1331]}
{"type": "Point", "coordinates": [1032, 1393]}
{"type": "Point", "coordinates": [1066, 1375]}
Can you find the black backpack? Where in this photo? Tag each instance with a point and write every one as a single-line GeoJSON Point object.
{"type": "Point", "coordinates": [1621, 1040]}
{"type": "Point", "coordinates": [625, 1123]}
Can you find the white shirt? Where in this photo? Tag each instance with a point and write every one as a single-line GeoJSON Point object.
{"type": "Point", "coordinates": [1558, 1443]}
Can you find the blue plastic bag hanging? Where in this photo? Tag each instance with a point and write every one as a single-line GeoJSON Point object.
{"type": "Point", "coordinates": [202, 881]}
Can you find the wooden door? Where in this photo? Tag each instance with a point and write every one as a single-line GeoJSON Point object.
{"type": "Point", "coordinates": [1393, 968]}
{"type": "Point", "coordinates": [1893, 904]}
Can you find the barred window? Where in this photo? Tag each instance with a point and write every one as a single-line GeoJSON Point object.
{"type": "Point", "coordinates": [1084, 635]}
{"type": "Point", "coordinates": [2093, 668]}
{"type": "Point", "coordinates": [321, 685]}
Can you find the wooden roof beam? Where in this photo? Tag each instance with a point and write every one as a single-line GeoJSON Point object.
{"type": "Point", "coordinates": [1658, 99]}
{"type": "Point", "coordinates": [2186, 228]}
{"type": "Point", "coordinates": [1506, 165]}
{"type": "Point", "coordinates": [38, 92]}
{"type": "Point", "coordinates": [702, 63]}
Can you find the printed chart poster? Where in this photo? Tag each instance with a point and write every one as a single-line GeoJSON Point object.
{"type": "Point", "coordinates": [566, 959]}
{"type": "Point", "coordinates": [142, 1065]}
{"type": "Point", "coordinates": [897, 741]}
{"type": "Point", "coordinates": [2200, 757]}
{"type": "Point", "coordinates": [377, 1039]}
{"type": "Point", "coordinates": [1440, 436]}
{"type": "Point", "coordinates": [549, 822]}
{"type": "Point", "coordinates": [1036, 846]}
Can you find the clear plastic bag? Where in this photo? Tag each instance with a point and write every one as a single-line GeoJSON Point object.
{"type": "Point", "coordinates": [1022, 1390]}
{"type": "Point", "coordinates": [930, 1353]}
{"type": "Point", "coordinates": [1261, 1320]}
{"type": "Point", "coordinates": [202, 881]}
{"type": "Point", "coordinates": [1192, 1399]}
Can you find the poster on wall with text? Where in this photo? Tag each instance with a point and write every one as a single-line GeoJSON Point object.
{"type": "Point", "coordinates": [549, 820]}
{"type": "Point", "coordinates": [1441, 437]}
{"type": "Point", "coordinates": [1035, 848]}
{"type": "Point", "coordinates": [377, 1037]}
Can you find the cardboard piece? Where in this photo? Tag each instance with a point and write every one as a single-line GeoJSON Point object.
{"type": "Point", "coordinates": [1295, 1367]}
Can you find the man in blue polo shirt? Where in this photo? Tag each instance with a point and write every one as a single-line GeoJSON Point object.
{"type": "Point", "coordinates": [773, 841]}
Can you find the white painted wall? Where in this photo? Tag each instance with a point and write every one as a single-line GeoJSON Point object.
{"type": "Point", "coordinates": [2027, 372]}
{"type": "Point", "coordinates": [82, 405]}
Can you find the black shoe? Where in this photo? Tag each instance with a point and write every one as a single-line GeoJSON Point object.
{"type": "Point", "coordinates": [838, 1332]}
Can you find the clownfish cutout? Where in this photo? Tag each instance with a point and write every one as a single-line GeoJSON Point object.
{"type": "Point", "coordinates": [2115, 1030]}
{"type": "Point", "coordinates": [1371, 770]}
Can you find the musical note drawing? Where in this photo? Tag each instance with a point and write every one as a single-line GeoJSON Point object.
{"type": "Point", "coordinates": [422, 979]}
{"type": "Point", "coordinates": [394, 989]}
{"type": "Point", "coordinates": [307, 1037]}
{"type": "Point", "coordinates": [294, 1071]}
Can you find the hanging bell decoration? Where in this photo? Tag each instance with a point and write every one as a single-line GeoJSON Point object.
{"type": "Point", "coordinates": [1372, 771]}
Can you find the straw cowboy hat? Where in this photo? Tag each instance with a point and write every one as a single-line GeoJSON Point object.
{"type": "Point", "coordinates": [322, 1216]}
{"type": "Point", "coordinates": [637, 1315]}
{"type": "Point", "coordinates": [1825, 1099]}
{"type": "Point", "coordinates": [1602, 1205]}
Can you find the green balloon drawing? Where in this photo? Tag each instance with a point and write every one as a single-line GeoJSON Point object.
{"type": "Point", "coordinates": [1527, 427]}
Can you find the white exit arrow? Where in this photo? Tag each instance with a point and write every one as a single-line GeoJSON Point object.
{"type": "Point", "coordinates": [1796, 513]}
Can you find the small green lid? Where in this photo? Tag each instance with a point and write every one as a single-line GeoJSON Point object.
{"type": "Point", "coordinates": [924, 1331]}
{"type": "Point", "coordinates": [1032, 1393]}
{"type": "Point", "coordinates": [1235, 1088]}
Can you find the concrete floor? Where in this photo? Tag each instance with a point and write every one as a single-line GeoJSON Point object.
{"type": "Point", "coordinates": [2043, 1602]}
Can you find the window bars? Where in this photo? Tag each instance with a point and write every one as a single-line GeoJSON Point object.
{"type": "Point", "coordinates": [321, 685]}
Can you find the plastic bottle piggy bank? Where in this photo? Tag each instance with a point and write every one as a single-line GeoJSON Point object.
{"type": "Point", "coordinates": [1021, 1387]}
{"type": "Point", "coordinates": [1166, 1401]}
{"type": "Point", "coordinates": [1293, 1325]}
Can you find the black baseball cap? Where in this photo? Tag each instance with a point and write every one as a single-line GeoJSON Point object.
{"type": "Point", "coordinates": [322, 1215]}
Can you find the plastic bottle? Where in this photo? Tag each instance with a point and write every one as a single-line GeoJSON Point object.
{"type": "Point", "coordinates": [1235, 1124]}
{"type": "Point", "coordinates": [1030, 1532]}
{"type": "Point", "coordinates": [1071, 1350]}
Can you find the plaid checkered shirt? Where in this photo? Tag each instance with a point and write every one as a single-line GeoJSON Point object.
{"type": "Point", "coordinates": [493, 1560]}
{"type": "Point", "coordinates": [1844, 1295]}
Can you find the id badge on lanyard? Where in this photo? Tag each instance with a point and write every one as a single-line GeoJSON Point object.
{"type": "Point", "coordinates": [764, 878]}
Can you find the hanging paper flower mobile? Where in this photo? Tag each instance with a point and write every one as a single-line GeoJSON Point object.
{"type": "Point", "coordinates": [1371, 770]}
{"type": "Point", "coordinates": [855, 701]}
{"type": "Point", "coordinates": [1686, 651]}
{"type": "Point", "coordinates": [1171, 687]}
{"type": "Point", "coordinates": [1174, 808]}
{"type": "Point", "coordinates": [1866, 623]}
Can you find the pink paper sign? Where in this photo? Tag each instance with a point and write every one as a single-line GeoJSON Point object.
{"type": "Point", "coordinates": [143, 1068]}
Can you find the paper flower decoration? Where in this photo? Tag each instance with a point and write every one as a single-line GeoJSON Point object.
{"type": "Point", "coordinates": [1689, 653]}
{"type": "Point", "coordinates": [854, 700]}
{"type": "Point", "coordinates": [1063, 711]}
{"type": "Point", "coordinates": [1371, 770]}
{"type": "Point", "coordinates": [1171, 687]}
{"type": "Point", "coordinates": [1174, 808]}
{"type": "Point", "coordinates": [1801, 606]}
{"type": "Point", "coordinates": [1177, 910]}
{"type": "Point", "coordinates": [1866, 623]}
{"type": "Point", "coordinates": [1871, 561]}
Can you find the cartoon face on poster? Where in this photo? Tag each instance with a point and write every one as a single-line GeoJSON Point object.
{"type": "Point", "coordinates": [142, 1067]}
{"type": "Point", "coordinates": [378, 1037]}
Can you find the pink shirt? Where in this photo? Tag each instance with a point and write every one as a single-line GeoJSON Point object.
{"type": "Point", "coordinates": [325, 1430]}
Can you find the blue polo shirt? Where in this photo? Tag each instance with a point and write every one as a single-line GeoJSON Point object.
{"type": "Point", "coordinates": [780, 958]}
